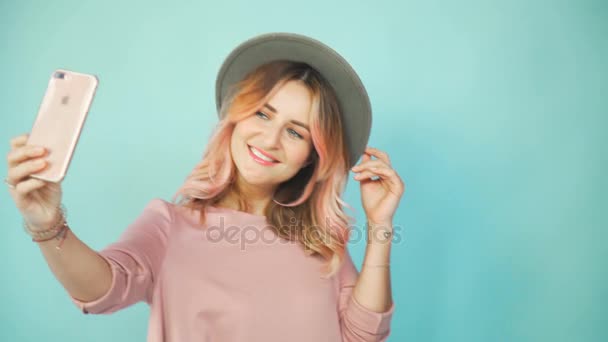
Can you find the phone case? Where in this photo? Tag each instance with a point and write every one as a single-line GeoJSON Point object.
{"type": "Point", "coordinates": [60, 120]}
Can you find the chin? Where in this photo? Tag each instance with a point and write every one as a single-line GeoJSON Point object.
{"type": "Point", "coordinates": [256, 180]}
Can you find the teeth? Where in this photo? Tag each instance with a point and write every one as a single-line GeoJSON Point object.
{"type": "Point", "coordinates": [260, 155]}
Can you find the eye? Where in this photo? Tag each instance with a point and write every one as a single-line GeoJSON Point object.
{"type": "Point", "coordinates": [260, 114]}
{"type": "Point", "coordinates": [294, 133]}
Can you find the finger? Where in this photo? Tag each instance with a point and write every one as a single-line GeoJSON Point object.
{"type": "Point", "coordinates": [367, 164]}
{"type": "Point", "coordinates": [365, 157]}
{"type": "Point", "coordinates": [392, 177]}
{"type": "Point", "coordinates": [366, 175]}
{"type": "Point", "coordinates": [379, 154]}
{"type": "Point", "coordinates": [19, 140]}
{"type": "Point", "coordinates": [22, 153]}
{"type": "Point", "coordinates": [25, 169]}
{"type": "Point", "coordinates": [29, 185]}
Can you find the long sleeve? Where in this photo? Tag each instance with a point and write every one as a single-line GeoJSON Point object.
{"type": "Point", "coordinates": [135, 260]}
{"type": "Point", "coordinates": [356, 321]}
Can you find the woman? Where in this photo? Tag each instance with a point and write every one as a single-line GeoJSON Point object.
{"type": "Point", "coordinates": [256, 247]}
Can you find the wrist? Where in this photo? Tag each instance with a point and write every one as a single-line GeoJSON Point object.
{"type": "Point", "coordinates": [381, 224]}
{"type": "Point", "coordinates": [381, 233]}
{"type": "Point", "coordinates": [41, 227]}
{"type": "Point", "coordinates": [58, 230]}
{"type": "Point", "coordinates": [43, 230]}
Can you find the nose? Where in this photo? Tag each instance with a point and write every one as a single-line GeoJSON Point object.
{"type": "Point", "coordinates": [272, 138]}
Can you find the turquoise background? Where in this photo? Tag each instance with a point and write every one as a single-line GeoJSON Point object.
{"type": "Point", "coordinates": [493, 112]}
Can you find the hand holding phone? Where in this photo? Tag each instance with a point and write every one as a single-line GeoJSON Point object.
{"type": "Point", "coordinates": [60, 120]}
{"type": "Point", "coordinates": [38, 161]}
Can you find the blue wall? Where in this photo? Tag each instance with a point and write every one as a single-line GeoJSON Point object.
{"type": "Point", "coordinates": [494, 113]}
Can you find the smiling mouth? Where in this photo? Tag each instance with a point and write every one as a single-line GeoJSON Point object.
{"type": "Point", "coordinates": [257, 155]}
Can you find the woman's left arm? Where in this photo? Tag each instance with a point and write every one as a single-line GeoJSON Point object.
{"type": "Point", "coordinates": [373, 287]}
{"type": "Point", "coordinates": [381, 191]}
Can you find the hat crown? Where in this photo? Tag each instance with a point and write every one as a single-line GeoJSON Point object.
{"type": "Point", "coordinates": [355, 107]}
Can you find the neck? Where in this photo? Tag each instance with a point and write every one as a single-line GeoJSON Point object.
{"type": "Point", "coordinates": [256, 197]}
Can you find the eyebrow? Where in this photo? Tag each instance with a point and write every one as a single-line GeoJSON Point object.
{"type": "Point", "coordinates": [296, 122]}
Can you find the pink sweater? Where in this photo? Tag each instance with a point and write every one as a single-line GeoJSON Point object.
{"type": "Point", "coordinates": [230, 282]}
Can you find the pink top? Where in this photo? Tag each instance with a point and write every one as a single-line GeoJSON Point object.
{"type": "Point", "coordinates": [234, 281]}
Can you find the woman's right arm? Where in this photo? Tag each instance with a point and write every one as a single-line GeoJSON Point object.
{"type": "Point", "coordinates": [84, 273]}
{"type": "Point", "coordinates": [118, 276]}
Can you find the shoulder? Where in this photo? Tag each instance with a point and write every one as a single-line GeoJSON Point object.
{"type": "Point", "coordinates": [172, 213]}
{"type": "Point", "coordinates": [161, 206]}
{"type": "Point", "coordinates": [160, 211]}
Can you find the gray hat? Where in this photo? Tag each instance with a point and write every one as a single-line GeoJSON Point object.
{"type": "Point", "coordinates": [352, 96]}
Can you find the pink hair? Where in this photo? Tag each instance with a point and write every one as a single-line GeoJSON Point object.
{"type": "Point", "coordinates": [312, 198]}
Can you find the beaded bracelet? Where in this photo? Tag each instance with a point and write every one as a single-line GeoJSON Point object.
{"type": "Point", "coordinates": [58, 231]}
{"type": "Point", "coordinates": [60, 237]}
{"type": "Point", "coordinates": [50, 232]}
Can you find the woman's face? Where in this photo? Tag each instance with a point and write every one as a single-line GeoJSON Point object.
{"type": "Point", "coordinates": [279, 131]}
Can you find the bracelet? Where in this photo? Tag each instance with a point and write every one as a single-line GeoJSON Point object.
{"type": "Point", "coordinates": [60, 236]}
{"type": "Point", "coordinates": [57, 231]}
{"type": "Point", "coordinates": [50, 232]}
{"type": "Point", "coordinates": [388, 234]}
{"type": "Point", "coordinates": [42, 239]}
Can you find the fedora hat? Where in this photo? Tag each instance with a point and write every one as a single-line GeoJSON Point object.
{"type": "Point", "coordinates": [353, 101]}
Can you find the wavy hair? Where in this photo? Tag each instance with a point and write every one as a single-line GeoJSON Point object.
{"type": "Point", "coordinates": [306, 208]}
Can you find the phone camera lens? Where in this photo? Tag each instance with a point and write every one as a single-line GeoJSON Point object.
{"type": "Point", "coordinates": [60, 75]}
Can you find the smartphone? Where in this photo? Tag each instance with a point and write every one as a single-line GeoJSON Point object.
{"type": "Point", "coordinates": [60, 120]}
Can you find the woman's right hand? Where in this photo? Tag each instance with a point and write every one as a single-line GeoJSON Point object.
{"type": "Point", "coordinates": [37, 200]}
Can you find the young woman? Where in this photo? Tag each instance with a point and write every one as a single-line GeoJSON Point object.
{"type": "Point", "coordinates": [255, 249]}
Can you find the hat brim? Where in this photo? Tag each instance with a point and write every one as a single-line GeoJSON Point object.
{"type": "Point", "coordinates": [353, 100]}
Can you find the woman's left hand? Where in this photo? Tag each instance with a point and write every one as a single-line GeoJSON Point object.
{"type": "Point", "coordinates": [380, 197]}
